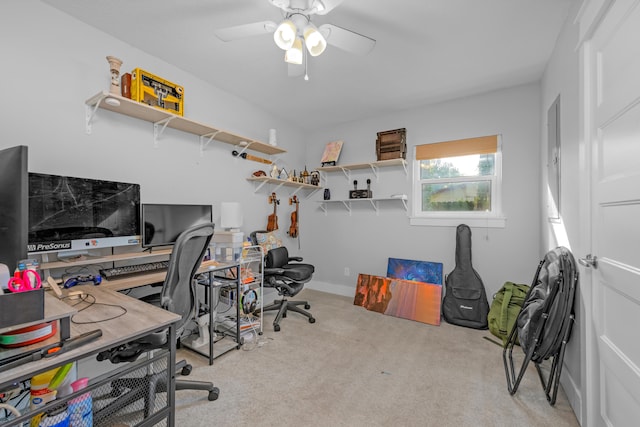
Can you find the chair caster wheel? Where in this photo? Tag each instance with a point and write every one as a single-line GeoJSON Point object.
{"type": "Point", "coordinates": [186, 370]}
{"type": "Point", "coordinates": [276, 328]}
{"type": "Point", "coordinates": [213, 394]}
{"type": "Point", "coordinates": [312, 320]}
{"type": "Point", "coordinates": [307, 306]}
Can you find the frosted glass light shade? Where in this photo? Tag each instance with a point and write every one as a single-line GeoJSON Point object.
{"type": "Point", "coordinates": [315, 42]}
{"type": "Point", "coordinates": [294, 55]}
{"type": "Point", "coordinates": [230, 215]}
{"type": "Point", "coordinates": [285, 34]}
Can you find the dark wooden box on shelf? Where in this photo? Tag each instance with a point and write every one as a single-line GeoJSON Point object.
{"type": "Point", "coordinates": [392, 144]}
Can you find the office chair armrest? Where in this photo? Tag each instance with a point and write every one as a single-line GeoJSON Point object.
{"type": "Point", "coordinates": [295, 258]}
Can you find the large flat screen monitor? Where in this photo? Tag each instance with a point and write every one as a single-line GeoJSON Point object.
{"type": "Point", "coordinates": [68, 213]}
{"type": "Point", "coordinates": [163, 223]}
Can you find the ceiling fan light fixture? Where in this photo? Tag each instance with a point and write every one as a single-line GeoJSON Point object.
{"type": "Point", "coordinates": [314, 40]}
{"type": "Point", "coordinates": [294, 54]}
{"type": "Point", "coordinates": [285, 34]}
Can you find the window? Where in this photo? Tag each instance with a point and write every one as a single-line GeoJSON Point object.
{"type": "Point", "coordinates": [457, 181]}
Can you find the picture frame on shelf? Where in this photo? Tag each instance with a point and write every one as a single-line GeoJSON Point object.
{"type": "Point", "coordinates": [331, 153]}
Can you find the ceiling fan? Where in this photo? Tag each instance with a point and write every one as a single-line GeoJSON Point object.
{"type": "Point", "coordinates": [296, 30]}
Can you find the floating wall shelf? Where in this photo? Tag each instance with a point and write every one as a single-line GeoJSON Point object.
{"type": "Point", "coordinates": [262, 180]}
{"type": "Point", "coordinates": [374, 203]}
{"type": "Point", "coordinates": [163, 119]}
{"type": "Point", "coordinates": [374, 166]}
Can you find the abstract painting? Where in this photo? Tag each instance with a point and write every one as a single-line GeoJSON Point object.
{"type": "Point", "coordinates": [407, 299]}
{"type": "Point", "coordinates": [420, 271]}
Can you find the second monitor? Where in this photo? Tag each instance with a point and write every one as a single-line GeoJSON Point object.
{"type": "Point", "coordinates": [163, 223]}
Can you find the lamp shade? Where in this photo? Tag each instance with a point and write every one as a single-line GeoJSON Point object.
{"type": "Point", "coordinates": [294, 55]}
{"type": "Point", "coordinates": [285, 34]}
{"type": "Point", "coordinates": [315, 42]}
{"type": "Point", "coordinates": [230, 215]}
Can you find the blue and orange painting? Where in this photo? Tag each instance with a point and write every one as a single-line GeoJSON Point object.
{"type": "Point", "coordinates": [419, 271]}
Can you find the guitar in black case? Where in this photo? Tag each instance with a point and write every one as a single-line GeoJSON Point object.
{"type": "Point", "coordinates": [465, 301]}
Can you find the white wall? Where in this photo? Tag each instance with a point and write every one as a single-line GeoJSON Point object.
{"type": "Point", "coordinates": [52, 63]}
{"type": "Point", "coordinates": [363, 241]}
{"type": "Point", "coordinates": [562, 78]}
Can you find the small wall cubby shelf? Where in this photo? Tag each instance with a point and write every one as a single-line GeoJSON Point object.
{"type": "Point", "coordinates": [374, 203]}
{"type": "Point", "coordinates": [374, 166]}
{"type": "Point", "coordinates": [261, 181]}
{"type": "Point", "coordinates": [163, 119]}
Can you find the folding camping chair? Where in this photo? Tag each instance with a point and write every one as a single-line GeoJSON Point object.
{"type": "Point", "coordinates": [544, 324]}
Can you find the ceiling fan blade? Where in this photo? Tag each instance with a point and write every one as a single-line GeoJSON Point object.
{"type": "Point", "coordinates": [347, 40]}
{"type": "Point", "coordinates": [245, 30]}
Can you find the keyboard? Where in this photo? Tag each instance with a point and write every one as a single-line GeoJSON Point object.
{"type": "Point", "coordinates": [134, 270]}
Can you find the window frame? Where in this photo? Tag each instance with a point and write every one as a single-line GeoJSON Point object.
{"type": "Point", "coordinates": [491, 219]}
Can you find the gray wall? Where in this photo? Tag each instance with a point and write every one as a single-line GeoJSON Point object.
{"type": "Point", "coordinates": [363, 241]}
{"type": "Point", "coordinates": [54, 63]}
{"type": "Point", "coordinates": [562, 78]}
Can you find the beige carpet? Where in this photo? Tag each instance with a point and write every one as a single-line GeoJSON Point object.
{"type": "Point", "coordinates": [355, 367]}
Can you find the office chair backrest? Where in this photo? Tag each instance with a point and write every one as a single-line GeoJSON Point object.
{"type": "Point", "coordinates": [277, 257]}
{"type": "Point", "coordinates": [178, 293]}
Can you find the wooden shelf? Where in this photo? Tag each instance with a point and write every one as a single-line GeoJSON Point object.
{"type": "Point", "coordinates": [374, 166]}
{"type": "Point", "coordinates": [262, 180]}
{"type": "Point", "coordinates": [374, 203]}
{"type": "Point", "coordinates": [163, 119]}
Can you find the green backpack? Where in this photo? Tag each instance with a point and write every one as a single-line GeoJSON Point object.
{"type": "Point", "coordinates": [505, 308]}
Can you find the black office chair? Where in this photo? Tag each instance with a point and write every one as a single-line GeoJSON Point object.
{"type": "Point", "coordinates": [178, 295]}
{"type": "Point", "coordinates": [288, 278]}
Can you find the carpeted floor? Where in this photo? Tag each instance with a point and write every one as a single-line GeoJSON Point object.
{"type": "Point", "coordinates": [355, 367]}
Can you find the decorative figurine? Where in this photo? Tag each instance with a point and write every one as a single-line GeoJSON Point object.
{"type": "Point", "coordinates": [114, 66]}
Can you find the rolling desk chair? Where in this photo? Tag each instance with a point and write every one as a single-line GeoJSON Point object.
{"type": "Point", "coordinates": [288, 275]}
{"type": "Point", "coordinates": [178, 295]}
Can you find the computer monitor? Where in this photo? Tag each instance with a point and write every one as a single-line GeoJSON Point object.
{"type": "Point", "coordinates": [14, 187]}
{"type": "Point", "coordinates": [76, 214]}
{"type": "Point", "coordinates": [163, 223]}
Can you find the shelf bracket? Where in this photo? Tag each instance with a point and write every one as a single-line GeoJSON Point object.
{"type": "Point", "coordinates": [90, 112]}
{"type": "Point", "coordinates": [311, 193]}
{"type": "Point", "coordinates": [404, 166]}
{"type": "Point", "coordinates": [347, 205]}
{"type": "Point", "coordinates": [259, 186]}
{"type": "Point", "coordinates": [209, 137]}
{"type": "Point", "coordinates": [374, 204]}
{"type": "Point", "coordinates": [347, 173]}
{"type": "Point", "coordinates": [375, 169]}
{"type": "Point", "coordinates": [323, 206]}
{"type": "Point", "coordinates": [158, 129]}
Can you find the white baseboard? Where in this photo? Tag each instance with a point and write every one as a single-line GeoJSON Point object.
{"type": "Point", "coordinates": [573, 393]}
{"type": "Point", "coordinates": [332, 288]}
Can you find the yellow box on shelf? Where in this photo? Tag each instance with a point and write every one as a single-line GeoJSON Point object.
{"type": "Point", "coordinates": [157, 92]}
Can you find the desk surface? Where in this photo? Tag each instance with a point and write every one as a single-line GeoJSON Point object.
{"type": "Point", "coordinates": [157, 277]}
{"type": "Point", "coordinates": [140, 318]}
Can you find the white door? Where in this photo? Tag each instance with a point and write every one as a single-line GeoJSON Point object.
{"type": "Point", "coordinates": [613, 81]}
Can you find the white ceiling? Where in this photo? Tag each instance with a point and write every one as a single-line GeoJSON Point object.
{"type": "Point", "coordinates": [427, 50]}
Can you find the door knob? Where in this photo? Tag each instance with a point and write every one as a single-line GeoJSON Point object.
{"type": "Point", "coordinates": [589, 261]}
